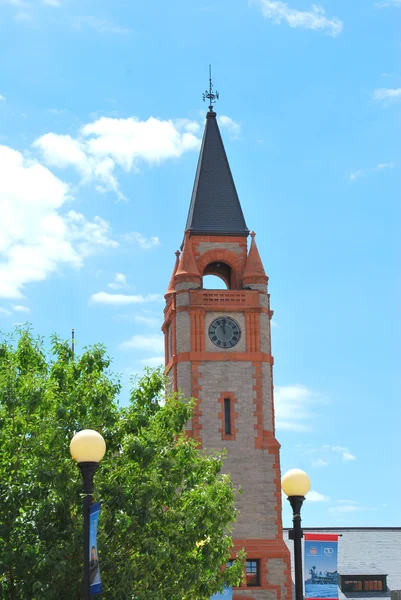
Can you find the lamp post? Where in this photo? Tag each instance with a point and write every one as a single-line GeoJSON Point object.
{"type": "Point", "coordinates": [295, 485]}
{"type": "Point", "coordinates": [87, 447]}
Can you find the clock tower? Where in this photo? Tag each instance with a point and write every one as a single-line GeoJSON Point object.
{"type": "Point", "coordinates": [218, 350]}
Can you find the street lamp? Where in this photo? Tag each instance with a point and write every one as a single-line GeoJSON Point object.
{"type": "Point", "coordinates": [87, 447]}
{"type": "Point", "coordinates": [296, 484]}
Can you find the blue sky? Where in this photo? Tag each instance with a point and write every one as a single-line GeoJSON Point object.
{"type": "Point", "coordinates": [100, 121]}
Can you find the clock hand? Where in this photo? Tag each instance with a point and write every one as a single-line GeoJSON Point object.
{"type": "Point", "coordinates": [224, 326]}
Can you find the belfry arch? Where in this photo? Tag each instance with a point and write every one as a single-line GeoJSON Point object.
{"type": "Point", "coordinates": [224, 264]}
{"type": "Point", "coordinates": [219, 269]}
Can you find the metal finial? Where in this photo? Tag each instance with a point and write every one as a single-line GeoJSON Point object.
{"type": "Point", "coordinates": [209, 94]}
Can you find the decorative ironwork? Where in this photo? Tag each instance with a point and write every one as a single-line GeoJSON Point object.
{"type": "Point", "coordinates": [209, 94]}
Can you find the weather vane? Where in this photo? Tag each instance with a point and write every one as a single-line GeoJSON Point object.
{"type": "Point", "coordinates": [209, 94]}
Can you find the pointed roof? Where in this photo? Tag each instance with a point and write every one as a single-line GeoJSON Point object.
{"type": "Point", "coordinates": [215, 208]}
{"type": "Point", "coordinates": [187, 267]}
{"type": "Point", "coordinates": [254, 271]}
{"type": "Point", "coordinates": [171, 285]}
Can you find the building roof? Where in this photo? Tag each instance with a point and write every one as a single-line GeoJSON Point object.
{"type": "Point", "coordinates": [215, 208]}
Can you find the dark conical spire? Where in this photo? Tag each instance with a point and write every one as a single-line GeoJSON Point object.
{"type": "Point", "coordinates": [215, 207]}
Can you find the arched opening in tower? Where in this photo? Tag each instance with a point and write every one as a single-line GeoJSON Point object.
{"type": "Point", "coordinates": [217, 275]}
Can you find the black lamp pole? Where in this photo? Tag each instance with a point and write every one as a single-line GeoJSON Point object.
{"type": "Point", "coordinates": [297, 534]}
{"type": "Point", "coordinates": [88, 470]}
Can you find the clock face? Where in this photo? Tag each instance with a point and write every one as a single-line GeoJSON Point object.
{"type": "Point", "coordinates": [224, 332]}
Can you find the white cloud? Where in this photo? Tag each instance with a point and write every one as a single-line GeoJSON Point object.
{"type": "Point", "coordinates": [312, 19]}
{"type": "Point", "coordinates": [387, 95]}
{"type": "Point", "coordinates": [63, 151]}
{"type": "Point", "coordinates": [123, 299]}
{"type": "Point", "coordinates": [2, 97]}
{"type": "Point", "coordinates": [153, 361]}
{"type": "Point", "coordinates": [4, 312]}
{"type": "Point", "coordinates": [143, 242]}
{"type": "Point", "coordinates": [232, 126]}
{"type": "Point", "coordinates": [320, 462]}
{"type": "Point", "coordinates": [292, 403]}
{"type": "Point", "coordinates": [345, 453]}
{"type": "Point", "coordinates": [188, 125]}
{"type": "Point", "coordinates": [129, 140]}
{"type": "Point", "coordinates": [119, 282]}
{"type": "Point", "coordinates": [362, 172]}
{"type": "Point", "coordinates": [89, 236]}
{"type": "Point", "coordinates": [109, 142]}
{"type": "Point", "coordinates": [382, 166]}
{"type": "Point", "coordinates": [36, 237]}
{"type": "Point", "coordinates": [21, 308]}
{"type": "Point", "coordinates": [54, 3]}
{"type": "Point", "coordinates": [356, 174]}
{"type": "Point", "coordinates": [325, 453]}
{"type": "Point", "coordinates": [274, 324]}
{"type": "Point", "coordinates": [148, 343]}
{"type": "Point", "coordinates": [313, 496]}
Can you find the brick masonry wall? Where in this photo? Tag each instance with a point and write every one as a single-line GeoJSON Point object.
{"type": "Point", "coordinates": [265, 344]}
{"type": "Point", "coordinates": [262, 287]}
{"type": "Point", "coordinates": [184, 378]}
{"type": "Point", "coordinates": [250, 468]}
{"type": "Point", "coordinates": [264, 300]}
{"type": "Point", "coordinates": [182, 299]}
{"type": "Point", "coordinates": [255, 594]}
{"type": "Point", "coordinates": [183, 325]}
{"type": "Point", "coordinates": [187, 285]}
{"type": "Point", "coordinates": [274, 578]}
{"type": "Point", "coordinates": [203, 247]}
{"type": "Point", "coordinates": [252, 453]}
{"type": "Point", "coordinates": [276, 569]}
{"type": "Point", "coordinates": [170, 382]}
{"type": "Point", "coordinates": [267, 391]}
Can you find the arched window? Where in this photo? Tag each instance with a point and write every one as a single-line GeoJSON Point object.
{"type": "Point", "coordinates": [217, 276]}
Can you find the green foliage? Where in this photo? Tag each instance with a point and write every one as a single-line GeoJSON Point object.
{"type": "Point", "coordinates": [164, 531]}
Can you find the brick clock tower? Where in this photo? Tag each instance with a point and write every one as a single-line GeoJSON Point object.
{"type": "Point", "coordinates": [218, 350]}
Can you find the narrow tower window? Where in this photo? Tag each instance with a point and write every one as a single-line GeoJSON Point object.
{"type": "Point", "coordinates": [227, 416]}
{"type": "Point", "coordinates": [253, 572]}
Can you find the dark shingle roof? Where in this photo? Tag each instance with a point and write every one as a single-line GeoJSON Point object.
{"type": "Point", "coordinates": [215, 207]}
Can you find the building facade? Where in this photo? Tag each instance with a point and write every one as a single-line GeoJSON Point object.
{"type": "Point", "coordinates": [218, 350]}
{"type": "Point", "coordinates": [369, 560]}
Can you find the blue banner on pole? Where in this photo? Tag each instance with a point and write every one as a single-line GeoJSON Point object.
{"type": "Point", "coordinates": [226, 594]}
{"type": "Point", "coordinates": [320, 572]}
{"type": "Point", "coordinates": [94, 570]}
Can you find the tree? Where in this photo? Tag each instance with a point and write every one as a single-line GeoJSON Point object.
{"type": "Point", "coordinates": [164, 531]}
